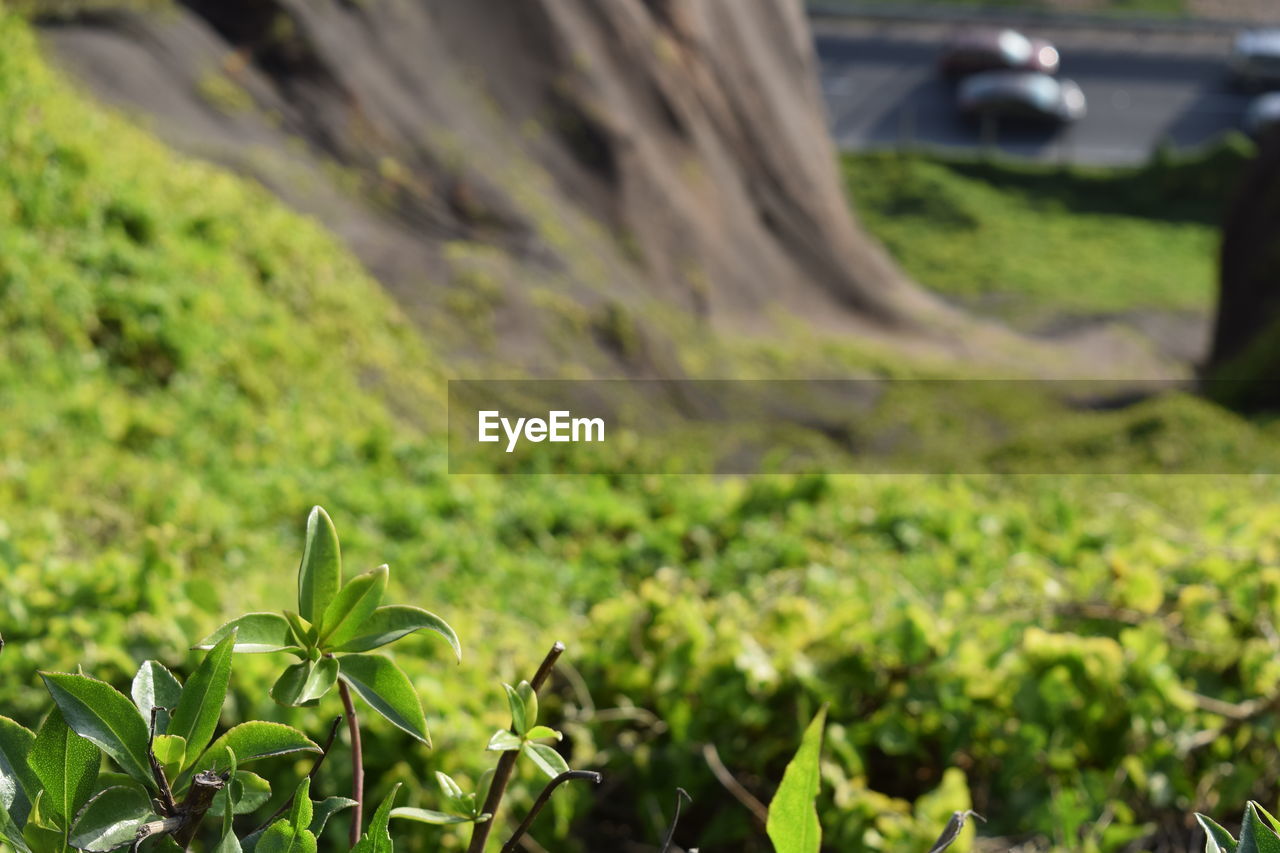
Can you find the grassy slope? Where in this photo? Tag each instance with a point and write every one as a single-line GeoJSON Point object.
{"type": "Point", "coordinates": [1040, 239]}
{"type": "Point", "coordinates": [185, 367]}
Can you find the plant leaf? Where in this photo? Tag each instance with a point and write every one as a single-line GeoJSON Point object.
{"type": "Point", "coordinates": [1217, 839]}
{"type": "Point", "coordinates": [154, 686]}
{"type": "Point", "coordinates": [305, 682]}
{"type": "Point", "coordinates": [548, 760]}
{"type": "Point", "coordinates": [11, 833]}
{"type": "Point", "coordinates": [792, 824]}
{"type": "Point", "coordinates": [530, 698]}
{"type": "Point", "coordinates": [390, 623]}
{"type": "Point", "coordinates": [451, 789]}
{"type": "Point", "coordinates": [229, 806]}
{"type": "Point", "coordinates": [519, 716]}
{"type": "Point", "coordinates": [256, 633]}
{"type": "Point", "coordinates": [111, 819]}
{"type": "Point", "coordinates": [249, 792]}
{"type": "Point", "coordinates": [228, 844]}
{"type": "Point", "coordinates": [102, 715]}
{"type": "Point", "coordinates": [1256, 836]}
{"type": "Point", "coordinates": [353, 604]}
{"type": "Point", "coordinates": [541, 732]}
{"type": "Point", "coordinates": [301, 630]}
{"type": "Point", "coordinates": [320, 573]}
{"type": "Point", "coordinates": [300, 811]}
{"type": "Point", "coordinates": [378, 838]}
{"type": "Point", "coordinates": [253, 741]}
{"type": "Point", "coordinates": [428, 816]}
{"type": "Point", "coordinates": [387, 690]}
{"type": "Point", "coordinates": [196, 717]}
{"type": "Point", "coordinates": [325, 809]}
{"type": "Point", "coordinates": [18, 785]}
{"type": "Point", "coordinates": [504, 740]}
{"type": "Point", "coordinates": [283, 837]}
{"type": "Point", "coordinates": [66, 765]}
{"type": "Point", "coordinates": [169, 750]}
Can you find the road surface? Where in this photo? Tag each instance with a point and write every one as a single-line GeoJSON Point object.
{"type": "Point", "coordinates": [882, 90]}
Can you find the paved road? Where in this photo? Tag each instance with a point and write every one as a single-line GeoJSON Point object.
{"type": "Point", "coordinates": [881, 90]}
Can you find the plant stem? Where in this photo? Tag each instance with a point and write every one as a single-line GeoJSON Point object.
{"type": "Point", "coordinates": [550, 789]}
{"type": "Point", "coordinates": [357, 762]}
{"type": "Point", "coordinates": [502, 773]}
{"type": "Point", "coordinates": [315, 768]}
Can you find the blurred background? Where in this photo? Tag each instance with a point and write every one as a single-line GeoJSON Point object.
{"type": "Point", "coordinates": [245, 243]}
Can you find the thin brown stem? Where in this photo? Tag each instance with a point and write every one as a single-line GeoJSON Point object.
{"type": "Point", "coordinates": [550, 789]}
{"type": "Point", "coordinates": [758, 809]}
{"type": "Point", "coordinates": [315, 768]}
{"type": "Point", "coordinates": [507, 763]}
{"type": "Point", "coordinates": [357, 762]}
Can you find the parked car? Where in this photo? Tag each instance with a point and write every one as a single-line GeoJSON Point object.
{"type": "Point", "coordinates": [1263, 115]}
{"type": "Point", "coordinates": [974, 50]}
{"type": "Point", "coordinates": [1021, 95]}
{"type": "Point", "coordinates": [1255, 59]}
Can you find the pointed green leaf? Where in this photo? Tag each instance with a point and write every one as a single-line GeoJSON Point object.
{"type": "Point", "coordinates": [1256, 836]}
{"type": "Point", "coordinates": [18, 785]}
{"type": "Point", "coordinates": [504, 740]}
{"type": "Point", "coordinates": [387, 690]}
{"type": "Point", "coordinates": [548, 760]}
{"type": "Point", "coordinates": [793, 816]}
{"type": "Point", "coordinates": [11, 833]}
{"type": "Point", "coordinates": [325, 809]}
{"type": "Point", "coordinates": [353, 605]}
{"type": "Point", "coordinates": [451, 789]}
{"type": "Point", "coordinates": [305, 682]}
{"type": "Point", "coordinates": [1217, 839]}
{"type": "Point", "coordinates": [170, 751]}
{"type": "Point", "coordinates": [249, 792]}
{"type": "Point", "coordinates": [300, 811]}
{"type": "Point", "coordinates": [110, 820]}
{"type": "Point", "coordinates": [102, 715]}
{"type": "Point", "coordinates": [530, 697]}
{"type": "Point", "coordinates": [41, 834]}
{"type": "Point", "coordinates": [251, 742]}
{"type": "Point", "coordinates": [200, 706]}
{"type": "Point", "coordinates": [303, 632]}
{"type": "Point", "coordinates": [320, 573]}
{"type": "Point", "coordinates": [228, 844]}
{"type": "Point", "coordinates": [378, 838]}
{"type": "Point", "coordinates": [428, 816]}
{"type": "Point", "coordinates": [283, 837]}
{"type": "Point", "coordinates": [543, 732]}
{"type": "Point", "coordinates": [256, 633]}
{"type": "Point", "coordinates": [390, 623]}
{"type": "Point", "coordinates": [155, 687]}
{"type": "Point", "coordinates": [1267, 817]}
{"type": "Point", "coordinates": [519, 716]}
{"type": "Point", "coordinates": [66, 766]}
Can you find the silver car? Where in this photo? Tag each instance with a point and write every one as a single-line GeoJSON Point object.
{"type": "Point", "coordinates": [1255, 59]}
{"type": "Point", "coordinates": [1022, 95]}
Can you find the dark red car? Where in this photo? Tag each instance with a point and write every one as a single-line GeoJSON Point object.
{"type": "Point", "coordinates": [973, 50]}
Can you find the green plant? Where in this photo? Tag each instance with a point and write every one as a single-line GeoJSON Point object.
{"type": "Point", "coordinates": [335, 624]}
{"type": "Point", "coordinates": [1256, 835]}
{"type": "Point", "coordinates": [173, 772]}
